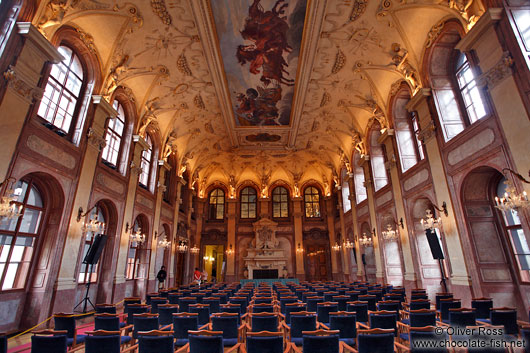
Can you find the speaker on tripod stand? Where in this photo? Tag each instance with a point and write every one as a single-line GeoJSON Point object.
{"type": "Point", "coordinates": [437, 253]}
{"type": "Point", "coordinates": [91, 258]}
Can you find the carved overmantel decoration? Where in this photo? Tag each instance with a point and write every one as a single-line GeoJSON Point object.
{"type": "Point", "coordinates": [264, 252]}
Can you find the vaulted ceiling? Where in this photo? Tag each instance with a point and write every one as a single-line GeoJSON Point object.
{"type": "Point", "coordinates": [167, 55]}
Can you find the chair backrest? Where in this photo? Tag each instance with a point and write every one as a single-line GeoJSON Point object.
{"type": "Point", "coordinates": [264, 342]}
{"type": "Point", "coordinates": [427, 334]}
{"type": "Point", "coordinates": [293, 307]}
{"type": "Point", "coordinates": [165, 313]}
{"type": "Point", "coordinates": [312, 303]}
{"type": "Point", "coordinates": [383, 319]}
{"type": "Point", "coordinates": [462, 317]}
{"type": "Point", "coordinates": [136, 309]}
{"type": "Point", "coordinates": [264, 322]}
{"type": "Point", "coordinates": [417, 304]}
{"type": "Point", "coordinates": [184, 322]}
{"type": "Point", "coordinates": [422, 318]}
{"type": "Point", "coordinates": [302, 321]}
{"type": "Point", "coordinates": [105, 308]}
{"type": "Point", "coordinates": [360, 309]}
{"type": "Point", "coordinates": [375, 340]}
{"type": "Point", "coordinates": [345, 322]}
{"type": "Point", "coordinates": [446, 304]}
{"type": "Point", "coordinates": [227, 323]}
{"type": "Point", "coordinates": [155, 302]}
{"type": "Point", "coordinates": [155, 341]}
{"type": "Point", "coordinates": [106, 322]}
{"type": "Point", "coordinates": [323, 310]}
{"type": "Point", "coordinates": [66, 322]}
{"type": "Point", "coordinates": [184, 303]}
{"type": "Point", "coordinates": [102, 341]}
{"type": "Point", "coordinates": [214, 303]}
{"type": "Point", "coordinates": [440, 296]}
{"type": "Point", "coordinates": [144, 322]}
{"type": "Point", "coordinates": [506, 317]}
{"type": "Point", "coordinates": [203, 310]}
{"type": "Point", "coordinates": [389, 305]}
{"type": "Point", "coordinates": [320, 341]}
{"type": "Point", "coordinates": [262, 307]}
{"type": "Point", "coordinates": [173, 298]}
{"type": "Point", "coordinates": [48, 341]}
{"type": "Point", "coordinates": [370, 299]}
{"type": "Point", "coordinates": [206, 341]}
{"type": "Point", "coordinates": [482, 307]}
{"type": "Point", "coordinates": [130, 300]}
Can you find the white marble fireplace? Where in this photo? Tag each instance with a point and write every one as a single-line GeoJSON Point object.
{"type": "Point", "coordinates": [264, 251]}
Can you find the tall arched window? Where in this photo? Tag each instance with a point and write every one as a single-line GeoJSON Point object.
{"type": "Point", "coordinates": [147, 156]}
{"type": "Point", "coordinates": [345, 188]}
{"type": "Point", "coordinates": [358, 172]}
{"type": "Point", "coordinates": [377, 159]}
{"type": "Point", "coordinates": [18, 237]}
{"type": "Point", "coordinates": [469, 91]}
{"type": "Point", "coordinates": [114, 137]}
{"type": "Point", "coordinates": [406, 126]}
{"type": "Point", "coordinates": [86, 272]}
{"type": "Point", "coordinates": [133, 256]}
{"type": "Point", "coordinates": [217, 204]}
{"type": "Point", "coordinates": [312, 202]}
{"type": "Point", "coordinates": [248, 202]}
{"type": "Point", "coordinates": [516, 236]}
{"type": "Point", "coordinates": [280, 202]}
{"type": "Point", "coordinates": [61, 102]}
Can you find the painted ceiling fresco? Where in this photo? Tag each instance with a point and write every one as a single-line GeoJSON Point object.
{"type": "Point", "coordinates": [260, 45]}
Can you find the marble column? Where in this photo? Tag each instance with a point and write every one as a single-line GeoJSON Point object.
{"type": "Point", "coordinates": [231, 229]}
{"type": "Point", "coordinates": [409, 278]}
{"type": "Point", "coordinates": [298, 237]}
{"type": "Point", "coordinates": [67, 278]}
{"type": "Point", "coordinates": [330, 218]}
{"type": "Point", "coordinates": [22, 88]}
{"type": "Point", "coordinates": [459, 278]}
{"type": "Point", "coordinates": [174, 254]}
{"type": "Point", "coordinates": [344, 253]}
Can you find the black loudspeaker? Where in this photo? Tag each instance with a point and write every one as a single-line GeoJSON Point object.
{"type": "Point", "coordinates": [434, 244]}
{"type": "Point", "coordinates": [95, 250]}
{"type": "Point", "coordinates": [363, 258]}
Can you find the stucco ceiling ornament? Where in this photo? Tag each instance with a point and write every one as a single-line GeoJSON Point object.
{"type": "Point", "coordinates": [358, 144]}
{"type": "Point", "coordinates": [53, 14]}
{"type": "Point", "coordinates": [434, 33]}
{"type": "Point", "coordinates": [159, 8]}
{"type": "Point", "coordinates": [400, 60]}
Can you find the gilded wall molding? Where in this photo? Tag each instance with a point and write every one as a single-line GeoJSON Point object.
{"type": "Point", "coordinates": [495, 75]}
{"type": "Point", "coordinates": [21, 86]}
{"type": "Point", "coordinates": [428, 132]}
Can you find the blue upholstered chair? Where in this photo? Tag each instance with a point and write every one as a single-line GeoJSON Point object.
{"type": "Point", "coordinates": [354, 295]}
{"type": "Point", "coordinates": [323, 310]}
{"type": "Point", "coordinates": [440, 296]}
{"type": "Point", "coordinates": [66, 322]}
{"type": "Point", "coordinates": [133, 309]}
{"type": "Point", "coordinates": [345, 323]}
{"type": "Point", "coordinates": [341, 300]}
{"type": "Point", "coordinates": [375, 341]}
{"type": "Point", "coordinates": [144, 322]}
{"type": "Point", "coordinates": [107, 309]}
{"type": "Point", "coordinates": [479, 335]}
{"type": "Point", "coordinates": [48, 341]}
{"type": "Point", "coordinates": [506, 317]}
{"type": "Point", "coordinates": [416, 318]}
{"type": "Point", "coordinates": [242, 301]}
{"type": "Point", "coordinates": [102, 341]}
{"type": "Point", "coordinates": [165, 313]}
{"type": "Point", "coordinates": [149, 296]}
{"type": "Point", "coordinates": [462, 317]}
{"type": "Point", "coordinates": [328, 296]}
{"type": "Point", "coordinates": [370, 299]}
{"type": "Point", "coordinates": [223, 297]}
{"type": "Point", "coordinates": [228, 323]}
{"type": "Point", "coordinates": [110, 322]}
{"type": "Point", "coordinates": [155, 302]}
{"type": "Point", "coordinates": [389, 305]}
{"type": "Point", "coordinates": [445, 305]}
{"type": "Point", "coordinates": [312, 303]}
{"type": "Point", "coordinates": [378, 294]}
{"type": "Point", "coordinates": [320, 341]}
{"type": "Point", "coordinates": [482, 308]}
{"type": "Point", "coordinates": [306, 295]}
{"type": "Point", "coordinates": [300, 321]}
{"type": "Point", "coordinates": [360, 309]}
{"type": "Point", "coordinates": [383, 320]}
{"type": "Point", "coordinates": [173, 298]}
{"type": "Point", "coordinates": [215, 303]}
{"type": "Point", "coordinates": [293, 307]}
{"type": "Point", "coordinates": [155, 341]}
{"type": "Point", "coordinates": [418, 304]}
{"type": "Point", "coordinates": [128, 301]}
{"type": "Point", "coordinates": [204, 341]}
{"type": "Point", "coordinates": [231, 308]}
{"type": "Point", "coordinates": [203, 310]}
{"type": "Point", "coordinates": [426, 334]}
{"type": "Point", "coordinates": [287, 300]}
{"type": "Point", "coordinates": [262, 299]}
{"type": "Point", "coordinates": [182, 323]}
{"type": "Point", "coordinates": [261, 308]}
{"type": "Point", "coordinates": [184, 303]}
{"type": "Point", "coordinates": [264, 322]}
{"type": "Point", "coordinates": [264, 342]}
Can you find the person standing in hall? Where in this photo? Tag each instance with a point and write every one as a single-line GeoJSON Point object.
{"type": "Point", "coordinates": [197, 276]}
{"type": "Point", "coordinates": [161, 276]}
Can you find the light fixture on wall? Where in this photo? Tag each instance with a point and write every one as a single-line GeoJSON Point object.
{"type": "Point", "coordinates": [511, 199]}
{"type": "Point", "coordinates": [163, 243]}
{"type": "Point", "coordinates": [208, 258]}
{"type": "Point", "coordinates": [336, 247]}
{"type": "Point", "coordinates": [182, 247]}
{"type": "Point", "coordinates": [390, 233]}
{"type": "Point", "coordinates": [299, 249]}
{"type": "Point", "coordinates": [429, 222]}
{"type": "Point", "coordinates": [8, 210]}
{"type": "Point", "coordinates": [137, 236]}
{"type": "Point", "coordinates": [230, 251]}
{"type": "Point", "coordinates": [194, 250]}
{"type": "Point", "coordinates": [348, 244]}
{"type": "Point", "coordinates": [365, 240]}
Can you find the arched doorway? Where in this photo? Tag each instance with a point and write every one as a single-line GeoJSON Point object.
{"type": "Point", "coordinates": [367, 254]}
{"type": "Point", "coordinates": [213, 246]}
{"type": "Point", "coordinates": [498, 244]}
{"type": "Point", "coordinates": [317, 260]}
{"type": "Point", "coordinates": [391, 251]}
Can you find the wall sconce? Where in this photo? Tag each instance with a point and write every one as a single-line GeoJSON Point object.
{"type": "Point", "coordinates": [443, 209]}
{"type": "Point", "coordinates": [336, 247]}
{"type": "Point", "coordinates": [230, 251]}
{"type": "Point", "coordinates": [390, 233]}
{"type": "Point", "coordinates": [93, 225]}
{"type": "Point", "coordinates": [299, 249]}
{"type": "Point", "coordinates": [511, 199]}
{"type": "Point", "coordinates": [163, 243]}
{"type": "Point", "coordinates": [182, 247]}
{"type": "Point", "coordinates": [348, 244]}
{"type": "Point", "coordinates": [8, 210]}
{"type": "Point", "coordinates": [365, 240]}
{"type": "Point", "coordinates": [208, 258]}
{"type": "Point", "coordinates": [429, 222]}
{"type": "Point", "coordinates": [194, 250]}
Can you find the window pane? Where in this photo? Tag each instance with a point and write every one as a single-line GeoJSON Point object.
{"type": "Point", "coordinates": [34, 198]}
{"type": "Point", "coordinates": [30, 221]}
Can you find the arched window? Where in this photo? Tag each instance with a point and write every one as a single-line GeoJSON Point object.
{"type": "Point", "coordinates": [217, 204]}
{"type": "Point", "coordinates": [516, 236]}
{"type": "Point", "coordinates": [18, 237]}
{"type": "Point", "coordinates": [468, 89]}
{"type": "Point", "coordinates": [114, 137]}
{"type": "Point", "coordinates": [345, 188]}
{"type": "Point", "coordinates": [248, 202]}
{"type": "Point", "coordinates": [86, 273]}
{"type": "Point", "coordinates": [61, 102]}
{"type": "Point", "coordinates": [360, 189]}
{"type": "Point", "coordinates": [406, 126]}
{"type": "Point", "coordinates": [377, 159]}
{"type": "Point", "coordinates": [312, 202]}
{"type": "Point", "coordinates": [133, 256]}
{"type": "Point", "coordinates": [280, 202]}
{"type": "Point", "coordinates": [147, 156]}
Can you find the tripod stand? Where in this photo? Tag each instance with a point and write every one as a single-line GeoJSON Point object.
{"type": "Point", "coordinates": [86, 300]}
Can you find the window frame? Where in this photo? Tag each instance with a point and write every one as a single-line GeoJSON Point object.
{"type": "Point", "coordinates": [273, 202]}
{"type": "Point", "coordinates": [121, 137]}
{"type": "Point", "coordinates": [69, 135]}
{"type": "Point", "coordinates": [248, 202]}
{"type": "Point", "coordinates": [15, 233]}
{"type": "Point", "coordinates": [148, 141]}
{"type": "Point", "coordinates": [212, 206]}
{"type": "Point", "coordinates": [312, 202]}
{"type": "Point", "coordinates": [382, 155]}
